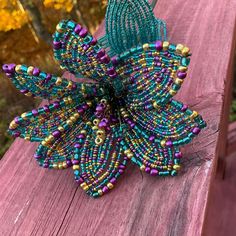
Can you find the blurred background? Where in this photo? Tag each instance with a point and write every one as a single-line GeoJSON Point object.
{"type": "Point", "coordinates": [26, 27]}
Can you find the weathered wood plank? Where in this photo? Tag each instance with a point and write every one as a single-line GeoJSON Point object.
{"type": "Point", "coordinates": [34, 201]}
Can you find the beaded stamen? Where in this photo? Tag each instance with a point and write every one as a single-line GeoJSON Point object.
{"type": "Point", "coordinates": [128, 113]}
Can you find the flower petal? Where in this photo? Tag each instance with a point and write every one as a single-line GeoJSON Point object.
{"type": "Point", "coordinates": [154, 73]}
{"type": "Point", "coordinates": [56, 150]}
{"type": "Point", "coordinates": [33, 82]}
{"type": "Point", "coordinates": [171, 125]}
{"type": "Point", "coordinates": [37, 124]}
{"type": "Point", "coordinates": [99, 165]}
{"type": "Point", "coordinates": [78, 52]}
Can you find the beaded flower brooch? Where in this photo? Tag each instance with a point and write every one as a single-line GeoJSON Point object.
{"type": "Point", "coordinates": [127, 113]}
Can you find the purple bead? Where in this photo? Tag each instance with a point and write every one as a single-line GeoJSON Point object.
{"type": "Point", "coordinates": [56, 134]}
{"type": "Point", "coordinates": [101, 53]}
{"type": "Point", "coordinates": [105, 189]}
{"type": "Point", "coordinates": [178, 155]}
{"type": "Point", "coordinates": [158, 45]}
{"type": "Point", "coordinates": [85, 47]}
{"type": "Point", "coordinates": [80, 110]}
{"type": "Point", "coordinates": [46, 108]}
{"type": "Point", "coordinates": [81, 136]}
{"type": "Point", "coordinates": [68, 163]}
{"type": "Point", "coordinates": [111, 71]}
{"type": "Point", "coordinates": [85, 106]}
{"type": "Point", "coordinates": [169, 143]}
{"type": "Point", "coordinates": [184, 108]}
{"type": "Point", "coordinates": [196, 130]}
{"type": "Point", "coordinates": [147, 169]}
{"type": "Point", "coordinates": [93, 42]}
{"type": "Point", "coordinates": [181, 75]}
{"type": "Point", "coordinates": [121, 171]}
{"type": "Point", "coordinates": [16, 134]}
{"type": "Point", "coordinates": [75, 162]}
{"type": "Point", "coordinates": [152, 138]}
{"type": "Point", "coordinates": [36, 156]}
{"type": "Point", "coordinates": [102, 124]}
{"type": "Point", "coordinates": [77, 145]}
{"type": "Point", "coordinates": [100, 108]}
{"type": "Point", "coordinates": [9, 68]}
{"type": "Point", "coordinates": [35, 112]}
{"type": "Point", "coordinates": [153, 172]}
{"type": "Point", "coordinates": [36, 71]}
{"type": "Point", "coordinates": [113, 180]}
{"type": "Point", "coordinates": [122, 167]}
{"type": "Point", "coordinates": [114, 61]}
{"type": "Point", "coordinates": [105, 59]}
{"type": "Point", "coordinates": [56, 45]}
{"type": "Point", "coordinates": [48, 77]}
{"type": "Point", "coordinates": [56, 105]}
{"type": "Point", "coordinates": [16, 119]}
{"type": "Point", "coordinates": [79, 181]}
{"type": "Point", "coordinates": [45, 165]}
{"type": "Point", "coordinates": [78, 28]}
{"type": "Point", "coordinates": [83, 32]}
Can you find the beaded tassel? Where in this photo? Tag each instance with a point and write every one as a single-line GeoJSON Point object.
{"type": "Point", "coordinates": [127, 113]}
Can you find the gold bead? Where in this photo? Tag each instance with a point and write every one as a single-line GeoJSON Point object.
{"type": "Point", "coordinates": [58, 81]}
{"type": "Point", "coordinates": [89, 103]}
{"type": "Point", "coordinates": [95, 127]}
{"type": "Point", "coordinates": [183, 68]}
{"type": "Point", "coordinates": [27, 138]}
{"type": "Point", "coordinates": [100, 192]}
{"type": "Point", "coordinates": [59, 29]}
{"type": "Point", "coordinates": [104, 101]}
{"type": "Point", "coordinates": [96, 121]}
{"type": "Point", "coordinates": [185, 51]}
{"type": "Point", "coordinates": [155, 105]}
{"type": "Point", "coordinates": [70, 84]}
{"type": "Point", "coordinates": [165, 45]}
{"type": "Point", "coordinates": [29, 94]}
{"type": "Point", "coordinates": [163, 143]}
{"type": "Point", "coordinates": [60, 166]}
{"type": "Point", "coordinates": [13, 125]}
{"type": "Point", "coordinates": [24, 116]}
{"type": "Point", "coordinates": [142, 167]}
{"type": "Point", "coordinates": [55, 166]}
{"type": "Point", "coordinates": [145, 46]}
{"type": "Point", "coordinates": [75, 167]}
{"type": "Point", "coordinates": [176, 167]}
{"type": "Point", "coordinates": [73, 119]}
{"type": "Point", "coordinates": [44, 143]}
{"type": "Point", "coordinates": [18, 69]}
{"type": "Point", "coordinates": [98, 141]}
{"type": "Point", "coordinates": [179, 48]}
{"type": "Point", "coordinates": [60, 128]}
{"type": "Point", "coordinates": [69, 122]}
{"type": "Point", "coordinates": [30, 70]}
{"type": "Point", "coordinates": [193, 115]}
{"type": "Point", "coordinates": [172, 92]}
{"type": "Point", "coordinates": [76, 115]}
{"type": "Point", "coordinates": [110, 185]}
{"type": "Point", "coordinates": [83, 131]}
{"type": "Point", "coordinates": [130, 155]}
{"type": "Point", "coordinates": [179, 81]}
{"type": "Point", "coordinates": [101, 133]}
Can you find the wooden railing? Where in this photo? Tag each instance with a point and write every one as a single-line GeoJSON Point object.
{"type": "Point", "coordinates": [35, 201]}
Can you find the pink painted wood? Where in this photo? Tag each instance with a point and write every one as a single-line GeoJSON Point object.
{"type": "Point", "coordinates": [34, 201]}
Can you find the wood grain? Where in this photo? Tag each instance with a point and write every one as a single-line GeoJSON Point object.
{"type": "Point", "coordinates": [34, 201]}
